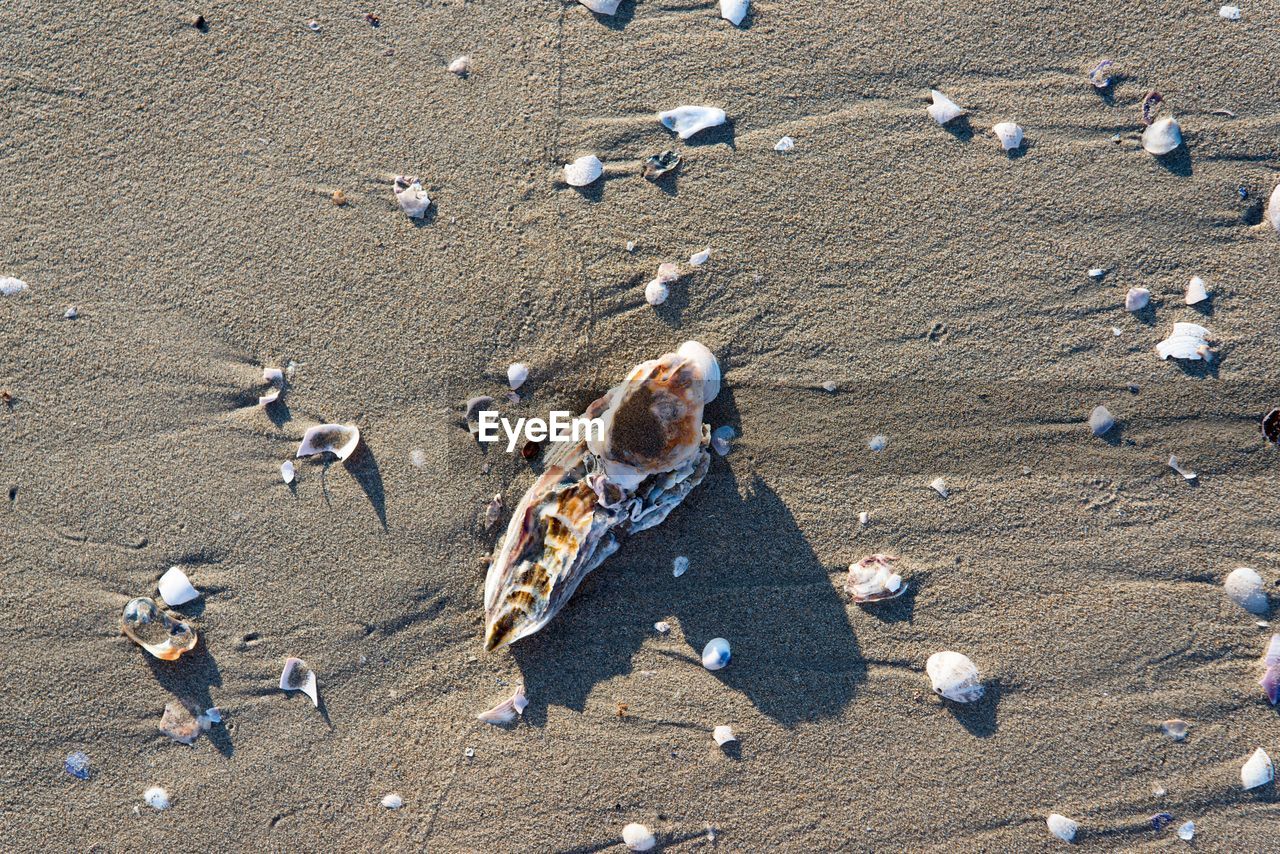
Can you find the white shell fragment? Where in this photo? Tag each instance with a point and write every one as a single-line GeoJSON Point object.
{"type": "Point", "coordinates": [517, 373]}
{"type": "Point", "coordinates": [506, 711]}
{"type": "Point", "coordinates": [274, 377]}
{"type": "Point", "coordinates": [1273, 208]}
{"type": "Point", "coordinates": [785, 144]}
{"type": "Point", "coordinates": [687, 120]}
{"type": "Point", "coordinates": [1244, 587]}
{"type": "Point", "coordinates": [734, 11]}
{"type": "Point", "coordinates": [662, 627]}
{"type": "Point", "coordinates": [715, 654]}
{"type": "Point", "coordinates": [1175, 728]}
{"type": "Point", "coordinates": [156, 798]}
{"type": "Point", "coordinates": [287, 472]}
{"type": "Point", "coordinates": [10, 286]}
{"type": "Point", "coordinates": [1136, 299]}
{"type": "Point", "coordinates": [1196, 291]}
{"type": "Point", "coordinates": [723, 735]}
{"type": "Point", "coordinates": [1009, 134]}
{"type": "Point", "coordinates": [637, 837]}
{"type": "Point", "coordinates": [412, 198]}
{"type": "Point", "coordinates": [1257, 771]}
{"type": "Point", "coordinates": [679, 566]}
{"type": "Point", "coordinates": [460, 66]}
{"type": "Point", "coordinates": [1230, 13]}
{"type": "Point", "coordinates": [1162, 136]}
{"type": "Point", "coordinates": [1101, 420]}
{"type": "Point", "coordinates": [878, 443]}
{"type": "Point", "coordinates": [873, 579]}
{"type": "Point", "coordinates": [657, 291]}
{"type": "Point", "coordinates": [939, 486]}
{"type": "Point", "coordinates": [175, 587]}
{"type": "Point", "coordinates": [697, 259]}
{"type": "Point", "coordinates": [338, 439]}
{"type": "Point", "coordinates": [296, 676]}
{"type": "Point", "coordinates": [1187, 832]}
{"type": "Point", "coordinates": [392, 801]}
{"type": "Point", "coordinates": [954, 676]}
{"type": "Point", "coordinates": [1187, 341]}
{"type": "Point", "coordinates": [1186, 473]}
{"type": "Point", "coordinates": [1097, 273]}
{"type": "Point", "coordinates": [943, 109]}
{"type": "Point", "coordinates": [583, 171]}
{"type": "Point", "coordinates": [602, 7]}
{"type": "Point", "coordinates": [1062, 827]}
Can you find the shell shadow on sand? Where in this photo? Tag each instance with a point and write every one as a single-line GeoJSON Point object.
{"type": "Point", "coordinates": [754, 580]}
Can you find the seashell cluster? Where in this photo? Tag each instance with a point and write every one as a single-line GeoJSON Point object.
{"type": "Point", "coordinates": [1244, 587]}
{"type": "Point", "coordinates": [593, 493]}
{"type": "Point", "coordinates": [583, 171]}
{"type": "Point", "coordinates": [163, 635]}
{"type": "Point", "coordinates": [872, 579]}
{"type": "Point", "coordinates": [688, 120]}
{"type": "Point", "coordinates": [337, 439]}
{"type": "Point", "coordinates": [943, 109]}
{"type": "Point", "coordinates": [954, 677]}
{"type": "Point", "coordinates": [658, 289]}
{"type": "Point", "coordinates": [1257, 770]}
{"type": "Point", "coordinates": [1187, 341]}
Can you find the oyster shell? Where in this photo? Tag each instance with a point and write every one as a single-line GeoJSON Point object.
{"type": "Point", "coordinates": [164, 636]}
{"type": "Point", "coordinates": [954, 676]}
{"type": "Point", "coordinates": [592, 493]}
{"type": "Point", "coordinates": [872, 579]}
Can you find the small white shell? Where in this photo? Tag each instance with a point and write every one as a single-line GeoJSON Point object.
{"type": "Point", "coordinates": [461, 66]}
{"type": "Point", "coordinates": [1062, 827]}
{"type": "Point", "coordinates": [943, 109]}
{"type": "Point", "coordinates": [1187, 474]}
{"type": "Point", "coordinates": [392, 801]}
{"type": "Point", "coordinates": [954, 676]}
{"type": "Point", "coordinates": [872, 579]}
{"type": "Point", "coordinates": [1244, 587]}
{"type": "Point", "coordinates": [1230, 13]}
{"type": "Point", "coordinates": [1162, 136]}
{"type": "Point", "coordinates": [156, 798]}
{"type": "Point", "coordinates": [877, 443]}
{"type": "Point", "coordinates": [1196, 291]}
{"type": "Point", "coordinates": [662, 627]}
{"type": "Point", "coordinates": [1136, 299]}
{"type": "Point", "coordinates": [679, 566]}
{"type": "Point", "coordinates": [1187, 832]}
{"type": "Point", "coordinates": [1097, 273]}
{"type": "Point", "coordinates": [275, 378]}
{"type": "Point", "coordinates": [939, 485]}
{"type": "Point", "coordinates": [715, 654]}
{"type": "Point", "coordinates": [637, 837]}
{"type": "Point", "coordinates": [699, 258]}
{"type": "Point", "coordinates": [1257, 771]}
{"type": "Point", "coordinates": [688, 120]}
{"type": "Point", "coordinates": [785, 144]}
{"type": "Point", "coordinates": [734, 11]}
{"type": "Point", "coordinates": [296, 676]}
{"type": "Point", "coordinates": [656, 292]}
{"type": "Point", "coordinates": [583, 171]}
{"type": "Point", "coordinates": [286, 471]}
{"type": "Point", "coordinates": [10, 286]}
{"type": "Point", "coordinates": [723, 735]}
{"type": "Point", "coordinates": [338, 439]}
{"type": "Point", "coordinates": [601, 7]}
{"type": "Point", "coordinates": [412, 198]}
{"type": "Point", "coordinates": [517, 373]}
{"type": "Point", "coordinates": [1009, 134]}
{"type": "Point", "coordinates": [506, 711]}
{"type": "Point", "coordinates": [1273, 208]}
{"type": "Point", "coordinates": [1187, 341]}
{"type": "Point", "coordinates": [175, 587]}
{"type": "Point", "coordinates": [1101, 420]}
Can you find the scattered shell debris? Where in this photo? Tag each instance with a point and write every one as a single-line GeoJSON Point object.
{"type": "Point", "coordinates": [156, 798]}
{"type": "Point", "coordinates": [954, 677]}
{"type": "Point", "coordinates": [1175, 728]}
{"type": "Point", "coordinates": [1186, 473]}
{"type": "Point", "coordinates": [287, 471]}
{"type": "Point", "coordinates": [175, 588]}
{"type": "Point", "coordinates": [1257, 770]}
{"type": "Point", "coordinates": [657, 165]}
{"type": "Point", "coordinates": [943, 109]}
{"type": "Point", "coordinates": [723, 735]}
{"type": "Point", "coordinates": [657, 291]}
{"type": "Point", "coordinates": [506, 711]}
{"type": "Point", "coordinates": [583, 171]}
{"type": "Point", "coordinates": [392, 801]}
{"type": "Point", "coordinates": [1136, 299]}
{"type": "Point", "coordinates": [1187, 341]}
{"type": "Point", "coordinates": [1062, 827]}
{"type": "Point", "coordinates": [715, 655]}
{"type": "Point", "coordinates": [1196, 292]}
{"type": "Point", "coordinates": [296, 676]}
{"type": "Point", "coordinates": [163, 635]}
{"type": "Point", "coordinates": [679, 566]}
{"type": "Point", "coordinates": [636, 836]}
{"type": "Point", "coordinates": [689, 120]}
{"type": "Point", "coordinates": [1101, 420]}
{"type": "Point", "coordinates": [412, 198]}
{"type": "Point", "coordinates": [784, 145]}
{"type": "Point", "coordinates": [337, 439]}
{"type": "Point", "coordinates": [939, 485]}
{"type": "Point", "coordinates": [1009, 134]}
{"type": "Point", "coordinates": [872, 579]}
{"type": "Point", "coordinates": [734, 11]}
{"type": "Point", "coordinates": [1245, 587]}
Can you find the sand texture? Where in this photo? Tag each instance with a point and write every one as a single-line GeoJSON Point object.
{"type": "Point", "coordinates": [173, 184]}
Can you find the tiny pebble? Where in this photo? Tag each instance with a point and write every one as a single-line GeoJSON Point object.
{"type": "Point", "coordinates": [1097, 273]}
{"type": "Point", "coordinates": [631, 246]}
{"type": "Point", "coordinates": [785, 144]}
{"type": "Point", "coordinates": [662, 627]}
{"type": "Point", "coordinates": [469, 752]}
{"type": "Point", "coordinates": [863, 518]}
{"type": "Point", "coordinates": [1230, 13]}
{"type": "Point", "coordinates": [939, 486]}
{"type": "Point", "coordinates": [418, 457]}
{"type": "Point", "coordinates": [829, 385]}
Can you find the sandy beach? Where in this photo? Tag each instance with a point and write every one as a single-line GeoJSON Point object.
{"type": "Point", "coordinates": [174, 185]}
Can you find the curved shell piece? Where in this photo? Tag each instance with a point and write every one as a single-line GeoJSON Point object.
{"type": "Point", "coordinates": [591, 494]}
{"type": "Point", "coordinates": [723, 735]}
{"type": "Point", "coordinates": [1062, 827]}
{"type": "Point", "coordinates": [602, 7]}
{"type": "Point", "coordinates": [1257, 770]}
{"type": "Point", "coordinates": [872, 579]}
{"type": "Point", "coordinates": [1196, 291]}
{"type": "Point", "coordinates": [175, 587]}
{"type": "Point", "coordinates": [158, 632]}
{"type": "Point", "coordinates": [943, 109]}
{"type": "Point", "coordinates": [296, 676]}
{"type": "Point", "coordinates": [688, 120]}
{"type": "Point", "coordinates": [583, 171]}
{"type": "Point", "coordinates": [734, 11]}
{"type": "Point", "coordinates": [954, 676]}
{"type": "Point", "coordinates": [506, 711]}
{"type": "Point", "coordinates": [1187, 341]}
{"type": "Point", "coordinates": [1245, 587]}
{"type": "Point", "coordinates": [337, 439]}
{"type": "Point", "coordinates": [1162, 136]}
{"type": "Point", "coordinates": [1009, 134]}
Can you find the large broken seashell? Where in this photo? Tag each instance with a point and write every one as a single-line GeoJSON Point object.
{"type": "Point", "coordinates": [1257, 770]}
{"type": "Point", "coordinates": [954, 676]}
{"type": "Point", "coordinates": [1245, 587]}
{"type": "Point", "coordinates": [296, 676]}
{"type": "Point", "coordinates": [592, 493]}
{"type": "Point", "coordinates": [412, 198]}
{"type": "Point", "coordinates": [506, 711]}
{"type": "Point", "coordinates": [1187, 341]}
{"type": "Point", "coordinates": [734, 11]}
{"type": "Point", "coordinates": [175, 587]}
{"type": "Point", "coordinates": [583, 171]}
{"type": "Point", "coordinates": [1162, 136]}
{"type": "Point", "coordinates": [602, 7]}
{"type": "Point", "coordinates": [637, 837]}
{"type": "Point", "coordinates": [686, 120]}
{"type": "Point", "coordinates": [159, 633]}
{"type": "Point", "coordinates": [943, 109]}
{"type": "Point", "coordinates": [873, 579]}
{"type": "Point", "coordinates": [337, 439]}
{"type": "Point", "coordinates": [1009, 134]}
{"type": "Point", "coordinates": [1062, 827]}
